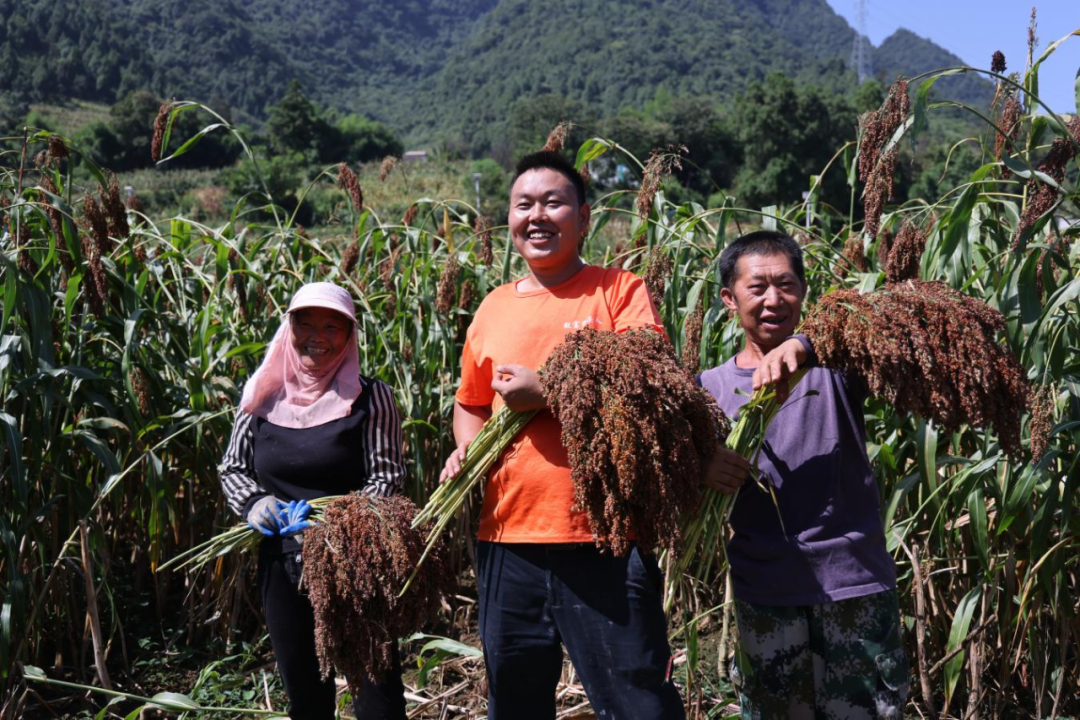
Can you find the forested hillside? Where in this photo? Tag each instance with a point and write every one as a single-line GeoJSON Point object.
{"type": "Point", "coordinates": [433, 68]}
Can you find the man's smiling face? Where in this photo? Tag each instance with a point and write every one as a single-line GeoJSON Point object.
{"type": "Point", "coordinates": [546, 220]}
{"type": "Point", "coordinates": [767, 295]}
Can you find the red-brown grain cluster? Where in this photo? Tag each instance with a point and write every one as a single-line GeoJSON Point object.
{"type": "Point", "coordinates": [997, 62]}
{"type": "Point", "coordinates": [876, 165]}
{"type": "Point", "coordinates": [356, 560]}
{"type": "Point", "coordinates": [350, 258]}
{"type": "Point", "coordinates": [387, 166]}
{"type": "Point", "coordinates": [482, 228]}
{"type": "Point", "coordinates": [1008, 127]}
{"type": "Point", "coordinates": [659, 166]}
{"type": "Point", "coordinates": [58, 150]}
{"type": "Point", "coordinates": [656, 275]}
{"type": "Point", "coordinates": [1043, 196]}
{"type": "Point", "coordinates": [95, 221]}
{"type": "Point", "coordinates": [350, 183]}
{"type": "Point", "coordinates": [114, 207]}
{"type": "Point", "coordinates": [446, 290]}
{"type": "Point", "coordinates": [904, 254]}
{"type": "Point", "coordinates": [556, 139]}
{"type": "Point", "coordinates": [161, 122]}
{"type": "Point", "coordinates": [926, 349]}
{"type": "Point", "coordinates": [855, 255]}
{"type": "Point", "coordinates": [410, 215]}
{"type": "Point", "coordinates": [691, 353]}
{"type": "Point", "coordinates": [637, 430]}
{"type": "Point", "coordinates": [1042, 420]}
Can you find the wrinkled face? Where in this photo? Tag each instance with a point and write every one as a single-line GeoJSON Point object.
{"type": "Point", "coordinates": [319, 336]}
{"type": "Point", "coordinates": [767, 295]}
{"type": "Point", "coordinates": [546, 221]}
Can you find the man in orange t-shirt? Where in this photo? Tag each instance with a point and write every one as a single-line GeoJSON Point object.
{"type": "Point", "coordinates": [542, 582]}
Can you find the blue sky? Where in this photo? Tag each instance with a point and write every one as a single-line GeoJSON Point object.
{"type": "Point", "coordinates": [974, 29]}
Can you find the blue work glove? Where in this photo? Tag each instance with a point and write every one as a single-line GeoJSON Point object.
{"type": "Point", "coordinates": [265, 516]}
{"type": "Point", "coordinates": [294, 518]}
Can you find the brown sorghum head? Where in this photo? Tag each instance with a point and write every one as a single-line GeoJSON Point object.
{"type": "Point", "coordinates": [877, 166]}
{"type": "Point", "coordinates": [905, 254]}
{"type": "Point", "coordinates": [1009, 126]}
{"type": "Point", "coordinates": [854, 254]}
{"type": "Point", "coordinates": [356, 560]}
{"type": "Point", "coordinates": [1042, 420]}
{"type": "Point", "coordinates": [691, 353]}
{"type": "Point", "coordinates": [160, 123]}
{"type": "Point", "coordinates": [482, 228]}
{"type": "Point", "coordinates": [114, 207]}
{"type": "Point", "coordinates": [57, 148]}
{"type": "Point", "coordinates": [657, 273]}
{"type": "Point", "coordinates": [659, 166]}
{"type": "Point", "coordinates": [447, 287]}
{"type": "Point", "coordinates": [350, 258]}
{"type": "Point", "coordinates": [884, 242]}
{"type": "Point", "coordinates": [386, 167]}
{"type": "Point", "coordinates": [410, 215]}
{"type": "Point", "coordinates": [556, 139]}
{"type": "Point", "coordinates": [997, 62]}
{"type": "Point", "coordinates": [94, 219]}
{"type": "Point", "coordinates": [142, 392]}
{"type": "Point", "coordinates": [97, 284]}
{"type": "Point", "coordinates": [637, 431]}
{"type": "Point", "coordinates": [1043, 196]}
{"type": "Point", "coordinates": [926, 349]}
{"type": "Point", "coordinates": [350, 183]}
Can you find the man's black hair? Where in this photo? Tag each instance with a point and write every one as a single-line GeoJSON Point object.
{"type": "Point", "coordinates": [762, 242]}
{"type": "Point", "coordinates": [551, 161]}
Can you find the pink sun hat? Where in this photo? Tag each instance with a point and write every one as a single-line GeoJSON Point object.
{"type": "Point", "coordinates": [324, 295]}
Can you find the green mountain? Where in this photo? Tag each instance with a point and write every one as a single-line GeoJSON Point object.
{"type": "Point", "coordinates": [435, 68]}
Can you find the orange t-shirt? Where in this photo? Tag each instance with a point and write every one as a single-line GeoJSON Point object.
{"type": "Point", "coordinates": [529, 492]}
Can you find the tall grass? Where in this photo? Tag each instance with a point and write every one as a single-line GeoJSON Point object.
{"type": "Point", "coordinates": [115, 414]}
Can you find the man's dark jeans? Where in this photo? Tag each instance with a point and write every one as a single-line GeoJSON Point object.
{"type": "Point", "coordinates": [606, 610]}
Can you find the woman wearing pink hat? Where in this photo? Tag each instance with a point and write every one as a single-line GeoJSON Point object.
{"type": "Point", "coordinates": [310, 425]}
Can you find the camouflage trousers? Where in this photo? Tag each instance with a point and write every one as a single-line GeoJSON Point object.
{"type": "Point", "coordinates": [839, 660]}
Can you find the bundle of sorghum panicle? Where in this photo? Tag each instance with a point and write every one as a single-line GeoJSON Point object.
{"type": "Point", "coordinates": [637, 430]}
{"type": "Point", "coordinates": [926, 349]}
{"type": "Point", "coordinates": [877, 166]}
{"type": "Point", "coordinates": [1042, 196]}
{"type": "Point", "coordinates": [356, 561]}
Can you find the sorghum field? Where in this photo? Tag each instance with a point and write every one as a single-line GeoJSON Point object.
{"type": "Point", "coordinates": [124, 340]}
